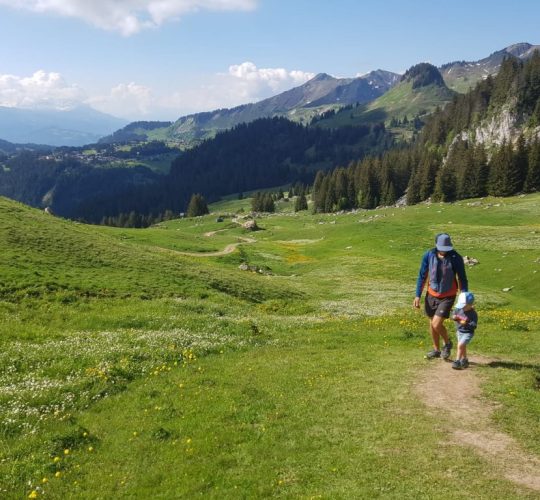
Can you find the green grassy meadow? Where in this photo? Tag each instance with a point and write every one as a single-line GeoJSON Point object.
{"type": "Point", "coordinates": [129, 370]}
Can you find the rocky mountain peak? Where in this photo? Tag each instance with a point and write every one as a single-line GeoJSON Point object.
{"type": "Point", "coordinates": [422, 75]}
{"type": "Point", "coordinates": [322, 77]}
{"type": "Point", "coordinates": [518, 49]}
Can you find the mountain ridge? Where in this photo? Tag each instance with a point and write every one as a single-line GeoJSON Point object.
{"type": "Point", "coordinates": [463, 75]}
{"type": "Point", "coordinates": [322, 93]}
{"type": "Point", "coordinates": [325, 93]}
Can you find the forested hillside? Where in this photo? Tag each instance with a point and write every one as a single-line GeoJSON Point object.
{"type": "Point", "coordinates": [483, 142]}
{"type": "Point", "coordinates": [264, 153]}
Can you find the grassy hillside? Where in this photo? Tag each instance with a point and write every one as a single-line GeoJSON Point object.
{"type": "Point", "coordinates": [129, 370]}
{"type": "Point", "coordinates": [403, 100]}
{"type": "Point", "coordinates": [399, 102]}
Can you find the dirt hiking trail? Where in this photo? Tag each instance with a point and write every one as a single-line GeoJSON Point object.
{"type": "Point", "coordinates": [470, 420]}
{"type": "Point", "coordinates": [227, 250]}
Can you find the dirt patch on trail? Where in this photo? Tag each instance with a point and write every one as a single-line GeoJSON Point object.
{"type": "Point", "coordinates": [227, 250]}
{"type": "Point", "coordinates": [457, 393]}
{"type": "Point", "coordinates": [211, 233]}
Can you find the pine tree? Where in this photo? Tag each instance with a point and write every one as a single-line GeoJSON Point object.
{"type": "Point", "coordinates": [502, 181]}
{"type": "Point", "coordinates": [320, 187]}
{"type": "Point", "coordinates": [256, 202]}
{"type": "Point", "coordinates": [505, 81]}
{"type": "Point", "coordinates": [330, 199]}
{"type": "Point", "coordinates": [268, 203]}
{"type": "Point", "coordinates": [532, 181]}
{"type": "Point", "coordinates": [368, 189]}
{"type": "Point", "coordinates": [445, 184]}
{"type": "Point", "coordinates": [197, 206]}
{"type": "Point", "coordinates": [464, 172]}
{"type": "Point", "coordinates": [480, 173]}
{"type": "Point", "coordinates": [413, 189]}
{"type": "Point", "coordinates": [530, 84]}
{"type": "Point", "coordinates": [520, 163]}
{"type": "Point", "coordinates": [427, 174]}
{"type": "Point", "coordinates": [341, 194]}
{"type": "Point", "coordinates": [300, 203]}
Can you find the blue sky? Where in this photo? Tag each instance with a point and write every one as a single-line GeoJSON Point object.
{"type": "Point", "coordinates": [160, 59]}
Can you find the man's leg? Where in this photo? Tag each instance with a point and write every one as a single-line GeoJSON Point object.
{"type": "Point", "coordinates": [434, 336]}
{"type": "Point", "coordinates": [438, 330]}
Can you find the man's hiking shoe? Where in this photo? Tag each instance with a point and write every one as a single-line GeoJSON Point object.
{"type": "Point", "coordinates": [446, 350]}
{"type": "Point", "coordinates": [433, 354]}
{"type": "Point", "coordinates": [457, 365]}
{"type": "Point", "coordinates": [464, 363]}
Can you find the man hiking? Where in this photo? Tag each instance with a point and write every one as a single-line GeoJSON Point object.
{"type": "Point", "coordinates": [442, 267]}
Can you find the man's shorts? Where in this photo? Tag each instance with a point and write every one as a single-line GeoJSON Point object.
{"type": "Point", "coordinates": [464, 337]}
{"type": "Point", "coordinates": [438, 307]}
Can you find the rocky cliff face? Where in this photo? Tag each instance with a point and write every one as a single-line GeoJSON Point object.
{"type": "Point", "coordinates": [498, 129]}
{"type": "Point", "coordinates": [507, 126]}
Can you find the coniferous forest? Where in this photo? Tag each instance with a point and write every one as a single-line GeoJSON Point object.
{"type": "Point", "coordinates": [446, 162]}
{"type": "Point", "coordinates": [258, 155]}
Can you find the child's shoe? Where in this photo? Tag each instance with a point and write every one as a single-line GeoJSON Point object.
{"type": "Point", "coordinates": [465, 363]}
{"type": "Point", "coordinates": [447, 348]}
{"type": "Point", "coordinates": [457, 365]}
{"type": "Point", "coordinates": [433, 354]}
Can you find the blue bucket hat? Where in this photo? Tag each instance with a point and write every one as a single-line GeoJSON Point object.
{"type": "Point", "coordinates": [443, 242]}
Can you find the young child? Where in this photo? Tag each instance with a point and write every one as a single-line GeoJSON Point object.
{"type": "Point", "coordinates": [466, 320]}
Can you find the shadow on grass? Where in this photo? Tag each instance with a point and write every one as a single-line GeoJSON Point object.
{"type": "Point", "coordinates": [512, 365]}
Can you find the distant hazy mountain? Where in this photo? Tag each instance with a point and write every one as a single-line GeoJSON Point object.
{"type": "Point", "coordinates": [75, 127]}
{"type": "Point", "coordinates": [462, 75]}
{"type": "Point", "coordinates": [10, 148]}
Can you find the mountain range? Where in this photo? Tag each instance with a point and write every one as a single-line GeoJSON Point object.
{"type": "Point", "coordinates": [300, 104]}
{"type": "Point", "coordinates": [463, 75]}
{"type": "Point", "coordinates": [323, 93]}
{"type": "Point", "coordinates": [73, 127]}
{"type": "Point", "coordinates": [378, 91]}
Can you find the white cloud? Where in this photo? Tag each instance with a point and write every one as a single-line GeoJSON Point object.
{"type": "Point", "coordinates": [256, 83]}
{"type": "Point", "coordinates": [126, 101]}
{"type": "Point", "coordinates": [127, 16]}
{"type": "Point", "coordinates": [42, 89]}
{"type": "Point", "coordinates": [242, 84]}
